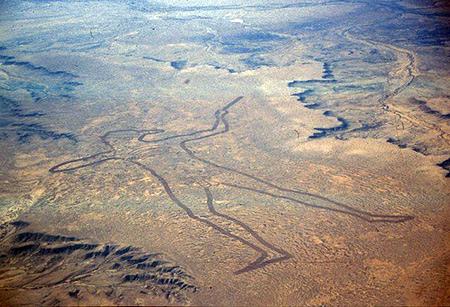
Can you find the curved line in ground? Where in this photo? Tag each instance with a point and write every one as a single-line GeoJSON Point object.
{"type": "Point", "coordinates": [214, 127]}
{"type": "Point", "coordinates": [220, 117]}
{"type": "Point", "coordinates": [56, 168]}
{"type": "Point", "coordinates": [210, 202]}
{"type": "Point", "coordinates": [371, 218]}
{"type": "Point", "coordinates": [256, 264]}
{"type": "Point", "coordinates": [351, 211]}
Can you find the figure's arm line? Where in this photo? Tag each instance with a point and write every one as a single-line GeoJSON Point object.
{"type": "Point", "coordinates": [57, 168]}
{"type": "Point", "coordinates": [219, 116]}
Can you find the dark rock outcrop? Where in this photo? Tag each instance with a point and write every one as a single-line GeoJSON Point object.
{"type": "Point", "coordinates": [49, 264]}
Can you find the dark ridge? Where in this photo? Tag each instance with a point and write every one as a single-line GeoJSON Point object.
{"type": "Point", "coordinates": [18, 113]}
{"type": "Point", "coordinates": [169, 281]}
{"type": "Point", "coordinates": [73, 83]}
{"type": "Point", "coordinates": [9, 102]}
{"type": "Point", "coordinates": [231, 71]}
{"type": "Point", "coordinates": [139, 260]}
{"type": "Point", "coordinates": [174, 282]}
{"type": "Point", "coordinates": [131, 260]}
{"type": "Point", "coordinates": [106, 251]}
{"type": "Point", "coordinates": [28, 130]}
{"type": "Point", "coordinates": [324, 131]}
{"type": "Point", "coordinates": [153, 59]}
{"type": "Point", "coordinates": [172, 269]}
{"type": "Point", "coordinates": [24, 249]}
{"type": "Point", "coordinates": [9, 60]}
{"type": "Point", "coordinates": [367, 127]}
{"type": "Point", "coordinates": [139, 277]}
{"type": "Point", "coordinates": [115, 266]}
{"type": "Point", "coordinates": [126, 258]}
{"type": "Point", "coordinates": [327, 72]}
{"type": "Point", "coordinates": [433, 37]}
{"type": "Point", "coordinates": [67, 249]}
{"type": "Point", "coordinates": [74, 294]}
{"type": "Point", "coordinates": [317, 135]}
{"type": "Point", "coordinates": [44, 134]}
{"type": "Point", "coordinates": [187, 286]}
{"type": "Point", "coordinates": [302, 95]}
{"type": "Point", "coordinates": [326, 68]}
{"type": "Point", "coordinates": [124, 250]}
{"type": "Point", "coordinates": [153, 264]}
{"type": "Point", "coordinates": [420, 147]}
{"type": "Point", "coordinates": [178, 65]}
{"type": "Point", "coordinates": [37, 236]}
{"type": "Point", "coordinates": [160, 281]}
{"type": "Point", "coordinates": [6, 58]}
{"type": "Point", "coordinates": [56, 256]}
{"type": "Point", "coordinates": [312, 106]}
{"type": "Point", "coordinates": [37, 99]}
{"type": "Point", "coordinates": [296, 83]}
{"type": "Point", "coordinates": [397, 142]}
{"type": "Point", "coordinates": [445, 165]}
{"type": "Point", "coordinates": [20, 224]}
{"type": "Point", "coordinates": [425, 108]}
{"type": "Point", "coordinates": [28, 125]}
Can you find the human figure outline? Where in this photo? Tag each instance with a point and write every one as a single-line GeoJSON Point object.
{"type": "Point", "coordinates": [222, 123]}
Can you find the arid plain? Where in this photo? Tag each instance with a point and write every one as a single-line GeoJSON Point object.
{"type": "Point", "coordinates": [232, 153]}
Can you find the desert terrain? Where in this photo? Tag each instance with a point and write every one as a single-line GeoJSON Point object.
{"type": "Point", "coordinates": [224, 153]}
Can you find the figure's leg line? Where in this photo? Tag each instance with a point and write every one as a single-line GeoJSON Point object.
{"type": "Point", "coordinates": [262, 264]}
{"type": "Point", "coordinates": [75, 164]}
{"type": "Point", "coordinates": [192, 215]}
{"type": "Point", "coordinates": [368, 217]}
{"type": "Point", "coordinates": [240, 223]}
